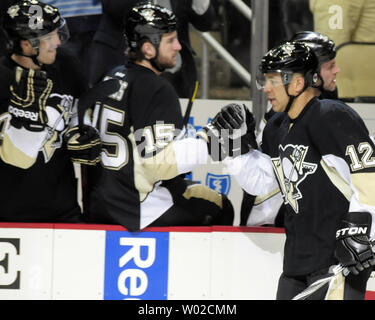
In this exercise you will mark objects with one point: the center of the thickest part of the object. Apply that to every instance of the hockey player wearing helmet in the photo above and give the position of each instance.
(40, 85)
(152, 37)
(35, 30)
(325, 50)
(287, 73)
(252, 208)
(138, 182)
(314, 152)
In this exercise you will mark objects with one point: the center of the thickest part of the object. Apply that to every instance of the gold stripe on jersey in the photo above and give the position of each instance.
(148, 171)
(12, 155)
(365, 184)
(261, 198)
(337, 180)
(203, 192)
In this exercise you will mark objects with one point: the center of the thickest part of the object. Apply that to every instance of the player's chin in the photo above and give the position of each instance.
(50, 58)
(331, 87)
(172, 63)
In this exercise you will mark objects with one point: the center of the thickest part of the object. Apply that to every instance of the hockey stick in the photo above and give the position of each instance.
(88, 99)
(336, 270)
(190, 105)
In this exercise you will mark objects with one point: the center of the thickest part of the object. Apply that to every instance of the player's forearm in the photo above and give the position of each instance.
(178, 157)
(253, 172)
(190, 153)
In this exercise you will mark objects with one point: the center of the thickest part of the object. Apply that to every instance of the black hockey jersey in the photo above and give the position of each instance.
(324, 165)
(136, 124)
(38, 182)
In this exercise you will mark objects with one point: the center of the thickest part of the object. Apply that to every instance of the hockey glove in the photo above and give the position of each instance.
(83, 145)
(230, 132)
(353, 247)
(29, 94)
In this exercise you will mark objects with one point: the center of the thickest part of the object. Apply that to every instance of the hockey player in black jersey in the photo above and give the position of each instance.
(138, 182)
(320, 155)
(39, 85)
(261, 211)
(325, 50)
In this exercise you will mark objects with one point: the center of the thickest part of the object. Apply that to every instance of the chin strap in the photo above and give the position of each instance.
(321, 86)
(33, 57)
(292, 98)
(154, 62)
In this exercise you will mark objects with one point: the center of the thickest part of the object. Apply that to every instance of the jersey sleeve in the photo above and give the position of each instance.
(254, 172)
(347, 155)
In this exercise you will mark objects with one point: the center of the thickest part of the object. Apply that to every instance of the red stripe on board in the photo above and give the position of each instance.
(248, 229)
(370, 295)
(107, 227)
(27, 225)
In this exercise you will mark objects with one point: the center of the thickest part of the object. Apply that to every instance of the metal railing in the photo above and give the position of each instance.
(258, 16)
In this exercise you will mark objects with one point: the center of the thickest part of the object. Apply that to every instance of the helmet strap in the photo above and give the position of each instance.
(321, 85)
(154, 61)
(32, 57)
(292, 98)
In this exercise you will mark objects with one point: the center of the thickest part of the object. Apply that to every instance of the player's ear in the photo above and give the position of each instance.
(298, 84)
(27, 47)
(148, 50)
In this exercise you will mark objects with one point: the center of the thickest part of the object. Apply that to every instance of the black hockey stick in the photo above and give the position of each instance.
(190, 104)
(87, 100)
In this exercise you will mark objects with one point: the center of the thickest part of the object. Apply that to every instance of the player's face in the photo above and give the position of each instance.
(168, 50)
(276, 93)
(47, 47)
(329, 71)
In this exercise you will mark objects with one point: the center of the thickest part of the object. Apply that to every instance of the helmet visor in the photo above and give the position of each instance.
(61, 33)
(273, 79)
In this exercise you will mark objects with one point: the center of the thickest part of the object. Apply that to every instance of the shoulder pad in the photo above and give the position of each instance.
(118, 72)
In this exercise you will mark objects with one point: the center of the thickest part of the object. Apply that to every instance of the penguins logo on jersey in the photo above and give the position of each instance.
(291, 170)
(59, 113)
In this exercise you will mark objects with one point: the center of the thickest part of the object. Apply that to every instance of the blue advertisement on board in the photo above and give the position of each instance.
(136, 265)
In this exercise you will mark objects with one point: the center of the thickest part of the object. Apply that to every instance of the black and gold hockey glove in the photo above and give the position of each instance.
(230, 133)
(83, 144)
(29, 94)
(353, 247)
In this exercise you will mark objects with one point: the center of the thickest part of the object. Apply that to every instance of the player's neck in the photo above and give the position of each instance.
(300, 103)
(25, 62)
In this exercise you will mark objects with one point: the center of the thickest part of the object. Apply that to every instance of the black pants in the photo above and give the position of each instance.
(354, 288)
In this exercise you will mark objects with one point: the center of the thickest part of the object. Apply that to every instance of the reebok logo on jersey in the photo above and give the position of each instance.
(19, 113)
(353, 231)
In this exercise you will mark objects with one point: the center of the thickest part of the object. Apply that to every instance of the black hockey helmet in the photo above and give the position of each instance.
(148, 21)
(324, 48)
(31, 20)
(289, 58)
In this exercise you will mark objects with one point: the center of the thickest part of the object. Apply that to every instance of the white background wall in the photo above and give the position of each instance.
(201, 263)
